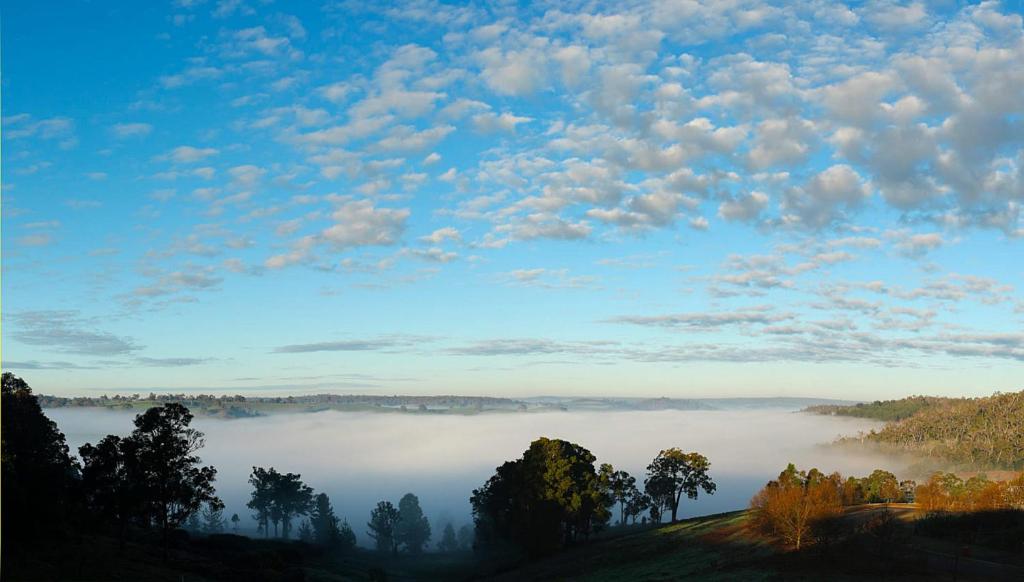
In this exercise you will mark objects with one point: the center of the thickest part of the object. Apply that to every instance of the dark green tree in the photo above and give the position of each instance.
(673, 473)
(413, 529)
(549, 498)
(383, 520)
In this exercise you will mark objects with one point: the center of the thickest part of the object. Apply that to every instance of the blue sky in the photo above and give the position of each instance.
(672, 198)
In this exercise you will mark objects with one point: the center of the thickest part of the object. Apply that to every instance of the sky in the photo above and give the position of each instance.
(679, 198)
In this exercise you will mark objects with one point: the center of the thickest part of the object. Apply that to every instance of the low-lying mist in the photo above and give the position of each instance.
(361, 458)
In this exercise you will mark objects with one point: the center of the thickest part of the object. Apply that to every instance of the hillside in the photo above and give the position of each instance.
(975, 433)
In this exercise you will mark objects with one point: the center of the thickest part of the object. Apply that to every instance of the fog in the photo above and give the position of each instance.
(361, 458)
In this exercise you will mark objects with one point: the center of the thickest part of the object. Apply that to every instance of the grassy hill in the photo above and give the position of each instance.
(716, 547)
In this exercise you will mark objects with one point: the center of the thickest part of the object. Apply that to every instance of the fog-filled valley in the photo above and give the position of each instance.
(359, 459)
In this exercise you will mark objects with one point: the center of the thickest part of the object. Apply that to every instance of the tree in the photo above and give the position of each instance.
(306, 532)
(156, 468)
(547, 499)
(637, 503)
(38, 470)
(465, 536)
(881, 486)
(261, 499)
(383, 520)
(234, 522)
(622, 487)
(792, 506)
(291, 498)
(412, 529)
(325, 524)
(213, 519)
(277, 498)
(346, 537)
(448, 542)
(673, 473)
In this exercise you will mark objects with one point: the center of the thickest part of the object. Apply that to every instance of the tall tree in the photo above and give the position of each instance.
(174, 484)
(324, 522)
(413, 529)
(37, 467)
(383, 520)
(291, 498)
(261, 499)
(674, 473)
(234, 522)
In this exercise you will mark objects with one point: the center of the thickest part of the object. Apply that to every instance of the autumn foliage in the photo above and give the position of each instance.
(794, 506)
(946, 492)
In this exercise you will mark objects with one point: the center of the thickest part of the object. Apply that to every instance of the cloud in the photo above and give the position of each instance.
(825, 198)
(129, 130)
(364, 345)
(744, 208)
(170, 362)
(442, 234)
(708, 320)
(68, 332)
(189, 154)
(360, 223)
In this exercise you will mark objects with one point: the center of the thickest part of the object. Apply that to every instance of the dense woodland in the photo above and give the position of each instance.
(983, 433)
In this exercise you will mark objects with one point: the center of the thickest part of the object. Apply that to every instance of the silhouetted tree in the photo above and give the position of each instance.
(155, 467)
(261, 498)
(213, 519)
(38, 470)
(673, 473)
(277, 498)
(413, 529)
(465, 536)
(306, 532)
(291, 498)
(346, 537)
(234, 522)
(326, 531)
(448, 541)
(383, 520)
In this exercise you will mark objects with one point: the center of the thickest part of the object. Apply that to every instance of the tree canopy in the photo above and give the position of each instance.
(548, 498)
(674, 473)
